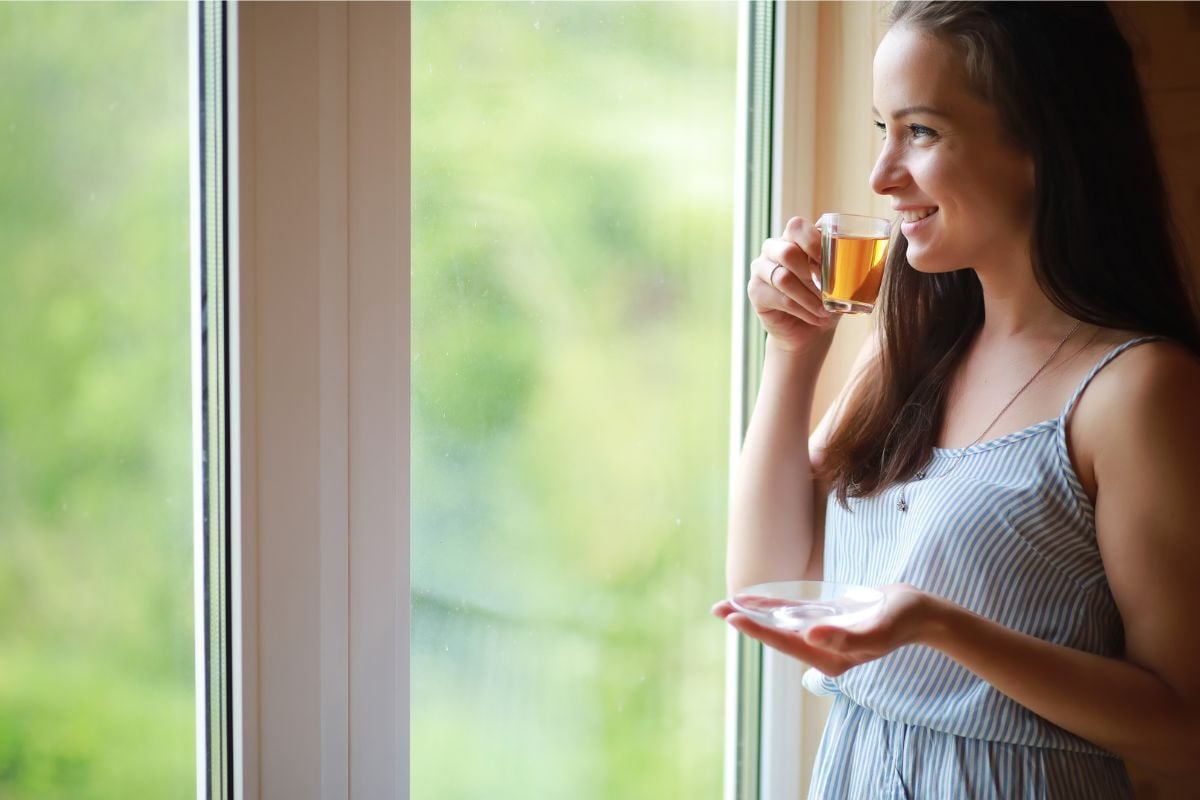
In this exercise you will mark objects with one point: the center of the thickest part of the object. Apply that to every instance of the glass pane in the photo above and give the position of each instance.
(96, 637)
(572, 234)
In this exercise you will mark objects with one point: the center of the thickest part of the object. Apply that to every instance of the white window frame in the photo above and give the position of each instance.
(789, 721)
(792, 719)
(321, 500)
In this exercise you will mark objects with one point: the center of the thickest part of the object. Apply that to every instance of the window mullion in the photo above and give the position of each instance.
(756, 128)
(211, 303)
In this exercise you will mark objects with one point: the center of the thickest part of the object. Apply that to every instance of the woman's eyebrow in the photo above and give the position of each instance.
(910, 110)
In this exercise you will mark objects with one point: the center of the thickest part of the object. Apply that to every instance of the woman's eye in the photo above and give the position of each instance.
(914, 130)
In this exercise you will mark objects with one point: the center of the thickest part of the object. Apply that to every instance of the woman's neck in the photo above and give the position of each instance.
(1014, 306)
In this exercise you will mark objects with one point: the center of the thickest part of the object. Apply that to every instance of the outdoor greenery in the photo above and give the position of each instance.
(96, 672)
(571, 292)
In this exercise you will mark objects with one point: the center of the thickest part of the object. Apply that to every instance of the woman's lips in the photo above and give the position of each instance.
(913, 222)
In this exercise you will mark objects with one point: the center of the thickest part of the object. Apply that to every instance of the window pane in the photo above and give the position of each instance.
(96, 649)
(572, 212)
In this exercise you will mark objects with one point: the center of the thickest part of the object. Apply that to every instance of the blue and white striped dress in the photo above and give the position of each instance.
(1002, 528)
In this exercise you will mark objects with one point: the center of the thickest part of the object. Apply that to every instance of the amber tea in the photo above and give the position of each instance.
(853, 252)
(851, 272)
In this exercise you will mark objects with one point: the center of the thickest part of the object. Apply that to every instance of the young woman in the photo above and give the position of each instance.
(1017, 455)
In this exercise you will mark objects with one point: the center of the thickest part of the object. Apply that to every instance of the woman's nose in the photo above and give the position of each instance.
(889, 173)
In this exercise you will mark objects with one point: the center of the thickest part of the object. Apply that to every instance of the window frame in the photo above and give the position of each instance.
(211, 332)
(320, 388)
(769, 717)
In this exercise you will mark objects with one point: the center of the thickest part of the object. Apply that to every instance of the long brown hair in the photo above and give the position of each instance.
(1063, 81)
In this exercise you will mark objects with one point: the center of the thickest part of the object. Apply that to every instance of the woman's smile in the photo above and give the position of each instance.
(913, 221)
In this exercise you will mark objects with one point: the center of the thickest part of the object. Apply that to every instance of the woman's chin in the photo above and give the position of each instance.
(920, 263)
(925, 262)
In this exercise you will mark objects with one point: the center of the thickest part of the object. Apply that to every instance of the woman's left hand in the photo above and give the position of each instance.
(906, 616)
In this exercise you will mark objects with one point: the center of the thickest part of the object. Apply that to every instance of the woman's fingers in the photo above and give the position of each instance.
(790, 643)
(807, 237)
(805, 234)
(775, 287)
(784, 289)
(803, 263)
(722, 609)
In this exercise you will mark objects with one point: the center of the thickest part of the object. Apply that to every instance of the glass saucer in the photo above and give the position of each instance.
(796, 605)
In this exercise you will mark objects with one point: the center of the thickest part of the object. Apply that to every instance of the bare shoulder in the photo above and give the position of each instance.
(1143, 403)
(1148, 378)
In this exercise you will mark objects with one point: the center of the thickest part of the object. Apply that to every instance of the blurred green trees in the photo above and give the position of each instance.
(96, 651)
(572, 212)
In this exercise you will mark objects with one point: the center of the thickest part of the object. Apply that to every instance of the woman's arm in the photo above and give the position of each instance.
(771, 531)
(772, 518)
(1141, 415)
(1126, 708)
(777, 529)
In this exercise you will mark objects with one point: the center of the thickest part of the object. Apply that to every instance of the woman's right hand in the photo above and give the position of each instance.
(784, 287)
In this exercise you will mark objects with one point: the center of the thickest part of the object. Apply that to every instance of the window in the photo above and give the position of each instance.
(573, 208)
(97, 694)
(571, 363)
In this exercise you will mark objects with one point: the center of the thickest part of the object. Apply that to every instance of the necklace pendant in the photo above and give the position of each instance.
(901, 505)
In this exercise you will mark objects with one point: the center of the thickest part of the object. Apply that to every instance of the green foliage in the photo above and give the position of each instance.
(572, 215)
(96, 676)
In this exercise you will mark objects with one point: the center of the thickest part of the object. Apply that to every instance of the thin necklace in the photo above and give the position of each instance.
(902, 503)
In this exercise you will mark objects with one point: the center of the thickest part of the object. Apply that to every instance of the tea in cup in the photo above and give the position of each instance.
(853, 252)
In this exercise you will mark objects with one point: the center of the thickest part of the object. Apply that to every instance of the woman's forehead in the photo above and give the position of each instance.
(915, 70)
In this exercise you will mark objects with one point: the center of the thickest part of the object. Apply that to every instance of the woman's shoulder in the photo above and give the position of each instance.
(1143, 362)
(1151, 378)
(1139, 409)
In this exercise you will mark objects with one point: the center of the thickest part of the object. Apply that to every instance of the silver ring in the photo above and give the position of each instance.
(771, 280)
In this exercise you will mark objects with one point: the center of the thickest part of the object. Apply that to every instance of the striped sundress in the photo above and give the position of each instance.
(1002, 528)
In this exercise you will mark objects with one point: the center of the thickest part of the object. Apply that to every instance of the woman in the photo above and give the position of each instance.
(1016, 456)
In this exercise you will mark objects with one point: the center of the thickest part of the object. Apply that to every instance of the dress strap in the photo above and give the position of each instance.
(1101, 364)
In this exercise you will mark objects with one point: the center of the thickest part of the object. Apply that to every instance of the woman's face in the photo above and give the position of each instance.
(964, 192)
